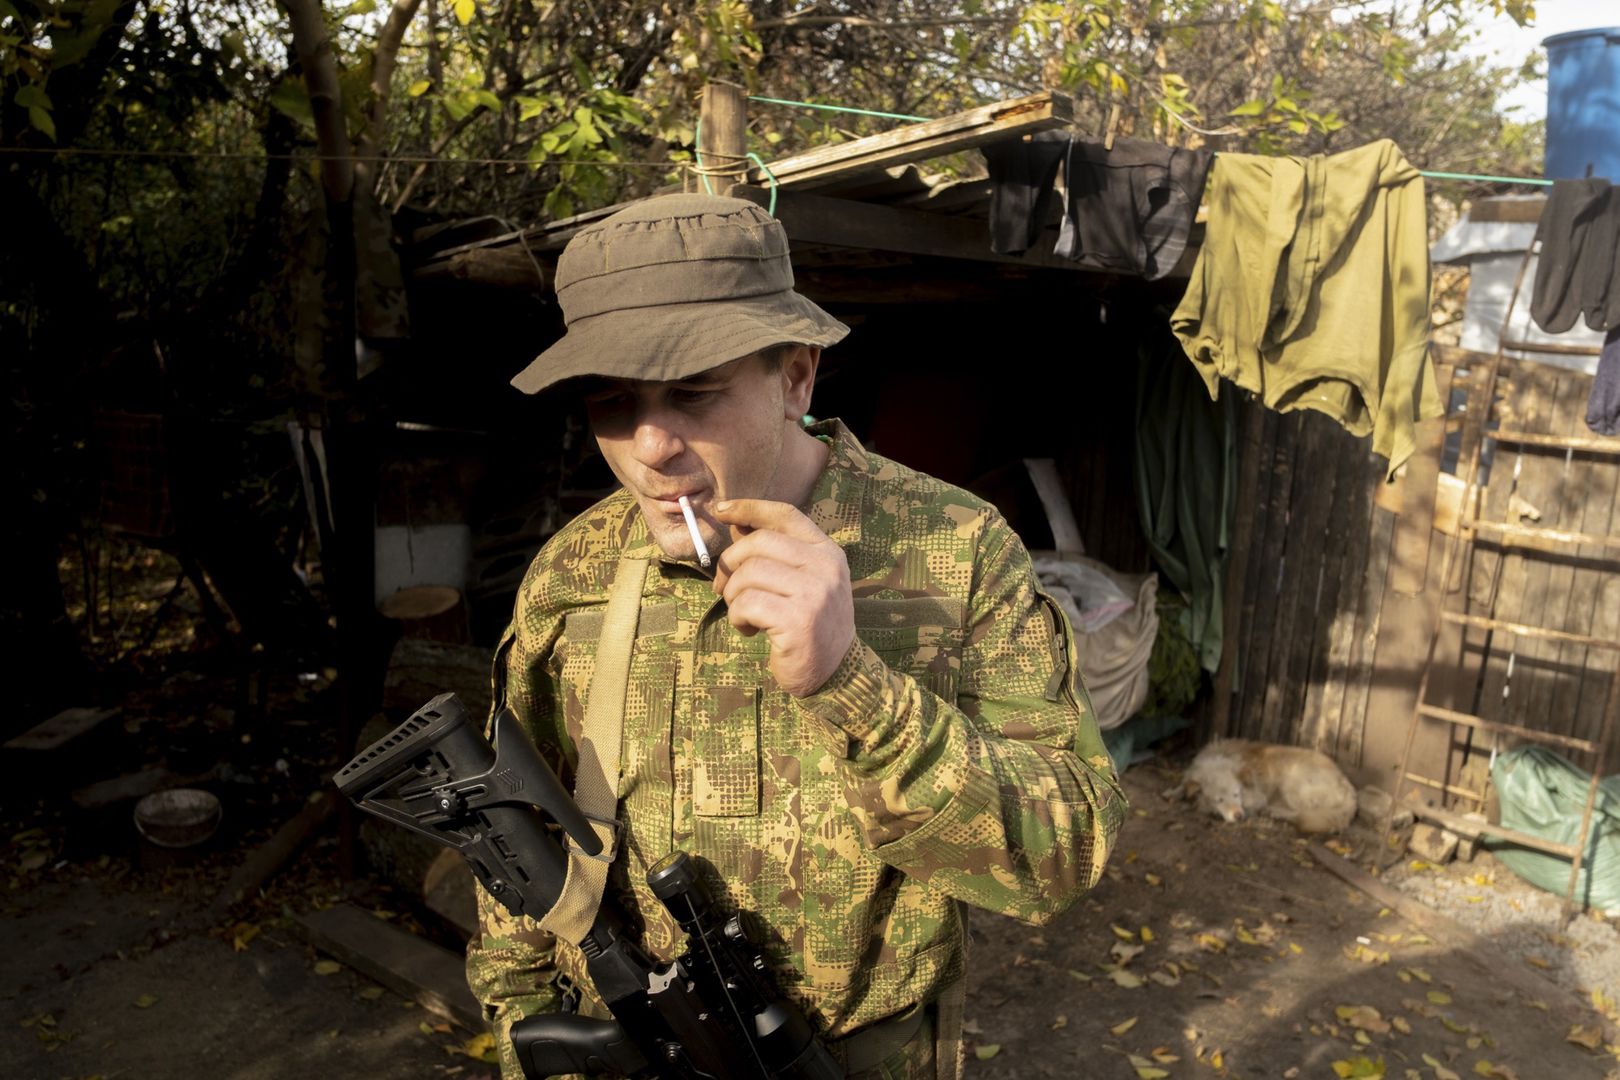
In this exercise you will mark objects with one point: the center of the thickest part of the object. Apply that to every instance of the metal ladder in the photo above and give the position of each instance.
(1470, 525)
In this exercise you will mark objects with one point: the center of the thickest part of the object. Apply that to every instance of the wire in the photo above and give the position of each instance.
(228, 155)
(838, 108)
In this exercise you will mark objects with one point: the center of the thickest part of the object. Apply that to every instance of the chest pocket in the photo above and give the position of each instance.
(920, 636)
(718, 755)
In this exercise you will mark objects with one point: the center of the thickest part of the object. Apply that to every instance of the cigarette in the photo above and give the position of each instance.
(697, 537)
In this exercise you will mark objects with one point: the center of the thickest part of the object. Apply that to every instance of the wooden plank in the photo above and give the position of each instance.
(1413, 535)
(262, 863)
(1263, 649)
(63, 728)
(820, 219)
(105, 793)
(1309, 539)
(1541, 633)
(1599, 444)
(1251, 635)
(1364, 646)
(1462, 719)
(1342, 568)
(1251, 428)
(1589, 709)
(919, 142)
(412, 967)
(1593, 481)
(1549, 580)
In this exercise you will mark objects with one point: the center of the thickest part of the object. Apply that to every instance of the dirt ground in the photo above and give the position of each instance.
(1210, 950)
(1225, 950)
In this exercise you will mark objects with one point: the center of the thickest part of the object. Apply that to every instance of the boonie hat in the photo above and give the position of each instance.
(672, 286)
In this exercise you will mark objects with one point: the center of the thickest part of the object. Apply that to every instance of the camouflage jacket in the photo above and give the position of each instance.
(952, 756)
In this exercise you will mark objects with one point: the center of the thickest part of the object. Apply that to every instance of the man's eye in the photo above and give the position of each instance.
(690, 397)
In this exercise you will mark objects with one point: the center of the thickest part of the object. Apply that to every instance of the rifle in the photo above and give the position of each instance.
(711, 1014)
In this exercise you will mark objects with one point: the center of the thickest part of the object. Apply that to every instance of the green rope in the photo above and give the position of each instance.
(902, 116)
(838, 108)
(757, 160)
(1487, 179)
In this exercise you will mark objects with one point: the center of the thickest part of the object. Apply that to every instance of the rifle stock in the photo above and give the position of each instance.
(711, 1014)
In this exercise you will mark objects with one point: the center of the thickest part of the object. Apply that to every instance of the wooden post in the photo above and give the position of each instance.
(724, 118)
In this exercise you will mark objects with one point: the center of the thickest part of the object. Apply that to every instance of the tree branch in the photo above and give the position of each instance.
(316, 58)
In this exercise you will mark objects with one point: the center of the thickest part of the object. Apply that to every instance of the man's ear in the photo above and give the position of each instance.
(799, 380)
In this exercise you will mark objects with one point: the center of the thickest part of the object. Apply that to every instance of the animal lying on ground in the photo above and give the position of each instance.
(1235, 777)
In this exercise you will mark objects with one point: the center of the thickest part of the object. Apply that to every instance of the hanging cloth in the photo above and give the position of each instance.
(1578, 272)
(1130, 209)
(1312, 290)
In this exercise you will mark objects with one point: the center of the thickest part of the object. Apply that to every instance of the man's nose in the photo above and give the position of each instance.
(656, 441)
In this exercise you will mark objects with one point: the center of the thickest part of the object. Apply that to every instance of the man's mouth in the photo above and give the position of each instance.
(670, 502)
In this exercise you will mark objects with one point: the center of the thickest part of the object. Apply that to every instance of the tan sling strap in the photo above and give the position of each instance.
(596, 778)
(948, 1024)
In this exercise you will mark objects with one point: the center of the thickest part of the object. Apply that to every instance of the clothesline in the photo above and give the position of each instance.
(1431, 174)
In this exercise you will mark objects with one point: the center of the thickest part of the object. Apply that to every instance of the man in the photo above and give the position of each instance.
(865, 715)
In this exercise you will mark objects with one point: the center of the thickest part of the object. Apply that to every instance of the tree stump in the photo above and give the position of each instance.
(429, 613)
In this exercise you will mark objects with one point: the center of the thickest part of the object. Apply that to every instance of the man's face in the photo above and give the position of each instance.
(717, 435)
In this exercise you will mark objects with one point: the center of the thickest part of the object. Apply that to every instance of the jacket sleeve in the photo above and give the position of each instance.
(511, 962)
(1008, 800)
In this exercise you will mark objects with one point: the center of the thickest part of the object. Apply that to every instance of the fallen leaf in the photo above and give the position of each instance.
(1145, 1069)
(1126, 953)
(1589, 1037)
(1440, 1071)
(1122, 933)
(145, 1001)
(987, 1051)
(1060, 1021)
(1079, 976)
(241, 934)
(1495, 1072)
(1123, 1026)
(1360, 1068)
(1364, 1017)
(1400, 1024)
(1209, 942)
(1439, 997)
(1153, 879)
(327, 967)
(1417, 973)
(372, 993)
(1125, 978)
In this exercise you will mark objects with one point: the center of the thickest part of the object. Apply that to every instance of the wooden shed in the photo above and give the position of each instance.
(963, 363)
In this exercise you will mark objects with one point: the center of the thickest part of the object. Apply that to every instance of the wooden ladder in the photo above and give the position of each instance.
(1461, 543)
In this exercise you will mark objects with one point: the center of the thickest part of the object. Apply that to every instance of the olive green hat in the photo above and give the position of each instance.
(672, 286)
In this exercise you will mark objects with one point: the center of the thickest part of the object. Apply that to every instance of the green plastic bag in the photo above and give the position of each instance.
(1543, 795)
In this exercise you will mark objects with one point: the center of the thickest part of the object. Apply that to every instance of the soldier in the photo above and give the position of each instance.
(865, 717)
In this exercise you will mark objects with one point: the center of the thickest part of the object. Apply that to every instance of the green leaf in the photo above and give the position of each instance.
(289, 99)
(1249, 108)
(1298, 127)
(42, 120)
(359, 7)
(487, 99)
(529, 107)
(32, 96)
(420, 87)
(464, 11)
(987, 1051)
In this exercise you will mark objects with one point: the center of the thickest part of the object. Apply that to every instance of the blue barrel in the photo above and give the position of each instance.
(1583, 104)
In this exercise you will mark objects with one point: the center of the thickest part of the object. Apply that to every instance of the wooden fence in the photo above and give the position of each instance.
(1334, 585)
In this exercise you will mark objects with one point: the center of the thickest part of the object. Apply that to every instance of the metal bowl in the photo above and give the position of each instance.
(178, 818)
